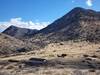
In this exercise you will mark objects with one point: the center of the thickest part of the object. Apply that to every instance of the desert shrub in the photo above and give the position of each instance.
(88, 59)
(94, 56)
(83, 61)
(99, 48)
(21, 49)
(86, 55)
(10, 60)
(62, 55)
(5, 37)
(61, 43)
(37, 59)
(92, 70)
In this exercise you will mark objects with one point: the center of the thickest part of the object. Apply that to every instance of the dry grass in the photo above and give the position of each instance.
(73, 64)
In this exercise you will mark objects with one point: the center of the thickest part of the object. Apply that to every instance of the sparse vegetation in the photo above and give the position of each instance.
(69, 46)
(62, 55)
(72, 55)
(86, 55)
(94, 56)
(92, 70)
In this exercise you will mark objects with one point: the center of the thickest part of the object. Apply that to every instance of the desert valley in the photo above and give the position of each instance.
(68, 46)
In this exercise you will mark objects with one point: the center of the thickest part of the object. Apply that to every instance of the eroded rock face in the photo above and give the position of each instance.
(79, 23)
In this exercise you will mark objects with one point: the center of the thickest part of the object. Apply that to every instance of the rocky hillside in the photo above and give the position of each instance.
(19, 33)
(9, 44)
(79, 23)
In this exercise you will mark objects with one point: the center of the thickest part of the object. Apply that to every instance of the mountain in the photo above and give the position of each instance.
(79, 23)
(19, 33)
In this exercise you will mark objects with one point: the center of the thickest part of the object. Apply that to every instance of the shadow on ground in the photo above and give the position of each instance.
(57, 63)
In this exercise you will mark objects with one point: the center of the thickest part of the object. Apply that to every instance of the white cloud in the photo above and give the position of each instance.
(89, 3)
(19, 23)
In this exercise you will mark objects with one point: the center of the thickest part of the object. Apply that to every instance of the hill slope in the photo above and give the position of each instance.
(79, 23)
(9, 45)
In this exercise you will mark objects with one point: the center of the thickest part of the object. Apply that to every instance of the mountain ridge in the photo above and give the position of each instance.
(19, 33)
(79, 23)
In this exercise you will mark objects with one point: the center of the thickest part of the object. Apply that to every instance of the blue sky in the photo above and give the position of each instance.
(39, 12)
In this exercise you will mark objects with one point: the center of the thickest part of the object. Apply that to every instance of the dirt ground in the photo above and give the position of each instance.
(64, 58)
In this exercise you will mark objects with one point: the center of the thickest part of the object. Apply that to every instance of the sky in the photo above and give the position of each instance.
(37, 14)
